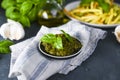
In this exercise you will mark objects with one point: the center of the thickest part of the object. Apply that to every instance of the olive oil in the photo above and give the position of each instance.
(51, 15)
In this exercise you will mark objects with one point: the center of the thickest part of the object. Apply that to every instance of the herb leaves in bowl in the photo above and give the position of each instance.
(59, 45)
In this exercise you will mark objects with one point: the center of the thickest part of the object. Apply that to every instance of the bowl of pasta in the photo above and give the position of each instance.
(102, 14)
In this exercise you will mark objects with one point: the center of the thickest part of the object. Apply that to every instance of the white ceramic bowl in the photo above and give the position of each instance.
(73, 5)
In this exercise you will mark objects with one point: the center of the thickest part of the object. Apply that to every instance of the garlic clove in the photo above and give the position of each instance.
(117, 33)
(12, 30)
(4, 30)
(17, 31)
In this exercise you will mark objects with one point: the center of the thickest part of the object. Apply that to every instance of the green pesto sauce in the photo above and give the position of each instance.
(69, 48)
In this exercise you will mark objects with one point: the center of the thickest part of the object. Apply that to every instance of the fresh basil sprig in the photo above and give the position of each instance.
(13, 13)
(48, 38)
(4, 46)
(7, 3)
(67, 36)
(26, 7)
(56, 41)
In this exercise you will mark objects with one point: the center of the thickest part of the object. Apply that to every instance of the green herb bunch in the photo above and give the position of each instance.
(23, 11)
(103, 3)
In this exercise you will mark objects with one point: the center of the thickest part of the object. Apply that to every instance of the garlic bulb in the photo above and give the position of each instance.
(12, 30)
(117, 33)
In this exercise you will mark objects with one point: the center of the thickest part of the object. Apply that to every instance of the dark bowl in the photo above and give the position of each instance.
(42, 50)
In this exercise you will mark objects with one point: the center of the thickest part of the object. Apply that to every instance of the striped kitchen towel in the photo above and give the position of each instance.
(27, 63)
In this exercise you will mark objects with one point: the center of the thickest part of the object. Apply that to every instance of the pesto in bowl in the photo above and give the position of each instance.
(61, 46)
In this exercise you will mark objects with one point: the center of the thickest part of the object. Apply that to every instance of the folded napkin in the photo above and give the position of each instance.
(27, 63)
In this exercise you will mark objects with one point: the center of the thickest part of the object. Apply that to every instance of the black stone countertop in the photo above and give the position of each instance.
(103, 64)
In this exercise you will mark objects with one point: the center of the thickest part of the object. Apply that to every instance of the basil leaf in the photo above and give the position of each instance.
(58, 43)
(25, 21)
(12, 13)
(32, 15)
(5, 43)
(67, 36)
(4, 46)
(9, 11)
(26, 7)
(49, 38)
(105, 7)
(4, 50)
(7, 3)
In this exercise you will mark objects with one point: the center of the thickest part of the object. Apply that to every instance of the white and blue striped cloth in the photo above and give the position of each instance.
(27, 63)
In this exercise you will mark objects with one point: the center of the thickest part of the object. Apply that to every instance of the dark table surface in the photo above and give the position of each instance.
(103, 64)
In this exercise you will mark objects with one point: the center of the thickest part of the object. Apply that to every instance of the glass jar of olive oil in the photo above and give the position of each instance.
(52, 15)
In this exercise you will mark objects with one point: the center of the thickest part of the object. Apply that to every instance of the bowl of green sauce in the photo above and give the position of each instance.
(60, 46)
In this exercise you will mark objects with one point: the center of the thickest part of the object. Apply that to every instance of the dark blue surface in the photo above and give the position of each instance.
(103, 64)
